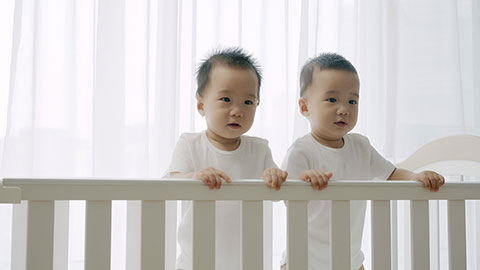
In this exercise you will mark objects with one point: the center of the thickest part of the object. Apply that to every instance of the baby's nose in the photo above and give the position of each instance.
(343, 111)
(236, 111)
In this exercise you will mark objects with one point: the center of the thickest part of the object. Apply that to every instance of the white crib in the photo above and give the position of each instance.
(44, 241)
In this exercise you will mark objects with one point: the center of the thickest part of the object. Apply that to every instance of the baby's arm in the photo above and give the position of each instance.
(297, 164)
(317, 178)
(431, 180)
(274, 177)
(182, 166)
(209, 176)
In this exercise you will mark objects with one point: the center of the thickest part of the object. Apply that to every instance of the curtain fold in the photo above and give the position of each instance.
(104, 87)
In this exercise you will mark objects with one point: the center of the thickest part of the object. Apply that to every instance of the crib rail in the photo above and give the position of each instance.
(41, 194)
(10, 194)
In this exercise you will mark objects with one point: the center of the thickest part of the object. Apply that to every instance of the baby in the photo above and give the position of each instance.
(329, 95)
(227, 96)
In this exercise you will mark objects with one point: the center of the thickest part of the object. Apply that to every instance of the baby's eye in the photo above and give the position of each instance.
(353, 102)
(226, 99)
(331, 99)
(248, 102)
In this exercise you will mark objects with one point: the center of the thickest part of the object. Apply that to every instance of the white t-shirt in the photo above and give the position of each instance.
(194, 152)
(356, 160)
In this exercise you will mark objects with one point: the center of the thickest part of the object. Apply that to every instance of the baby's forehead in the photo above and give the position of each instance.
(222, 73)
(332, 81)
(230, 68)
(333, 72)
(334, 75)
(324, 92)
(236, 92)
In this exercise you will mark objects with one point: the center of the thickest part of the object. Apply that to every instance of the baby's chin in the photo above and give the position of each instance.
(328, 137)
(229, 134)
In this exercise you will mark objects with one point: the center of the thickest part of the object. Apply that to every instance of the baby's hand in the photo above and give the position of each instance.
(212, 177)
(431, 180)
(274, 177)
(318, 178)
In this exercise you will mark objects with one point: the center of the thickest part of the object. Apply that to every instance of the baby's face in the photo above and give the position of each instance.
(331, 105)
(229, 101)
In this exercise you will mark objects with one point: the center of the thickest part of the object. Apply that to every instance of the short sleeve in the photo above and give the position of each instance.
(269, 163)
(380, 168)
(296, 161)
(182, 157)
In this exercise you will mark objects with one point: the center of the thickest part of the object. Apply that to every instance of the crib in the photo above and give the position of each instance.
(44, 230)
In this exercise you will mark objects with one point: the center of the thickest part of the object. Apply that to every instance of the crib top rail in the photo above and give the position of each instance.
(247, 189)
(10, 194)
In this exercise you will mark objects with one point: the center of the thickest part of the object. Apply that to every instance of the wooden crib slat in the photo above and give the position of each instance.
(40, 235)
(153, 235)
(457, 253)
(98, 218)
(340, 235)
(381, 235)
(61, 221)
(267, 234)
(19, 235)
(434, 234)
(170, 234)
(252, 234)
(419, 234)
(203, 235)
(394, 233)
(477, 232)
(297, 235)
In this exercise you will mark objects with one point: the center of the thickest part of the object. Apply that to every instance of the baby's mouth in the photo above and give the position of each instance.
(234, 125)
(340, 123)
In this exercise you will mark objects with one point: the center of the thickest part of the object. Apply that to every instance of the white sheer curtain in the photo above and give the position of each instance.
(104, 87)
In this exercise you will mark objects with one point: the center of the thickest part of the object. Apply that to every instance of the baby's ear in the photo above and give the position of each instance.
(302, 104)
(200, 105)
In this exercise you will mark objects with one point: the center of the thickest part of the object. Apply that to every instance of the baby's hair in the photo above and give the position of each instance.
(322, 62)
(232, 57)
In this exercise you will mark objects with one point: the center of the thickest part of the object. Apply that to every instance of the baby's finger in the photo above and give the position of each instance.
(275, 181)
(205, 179)
(212, 181)
(322, 180)
(305, 177)
(218, 182)
(432, 183)
(439, 184)
(436, 182)
(440, 181)
(280, 178)
(426, 183)
(315, 182)
(323, 183)
(224, 176)
(443, 181)
(268, 178)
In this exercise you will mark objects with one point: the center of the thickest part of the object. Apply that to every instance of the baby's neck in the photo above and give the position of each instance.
(221, 143)
(332, 143)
